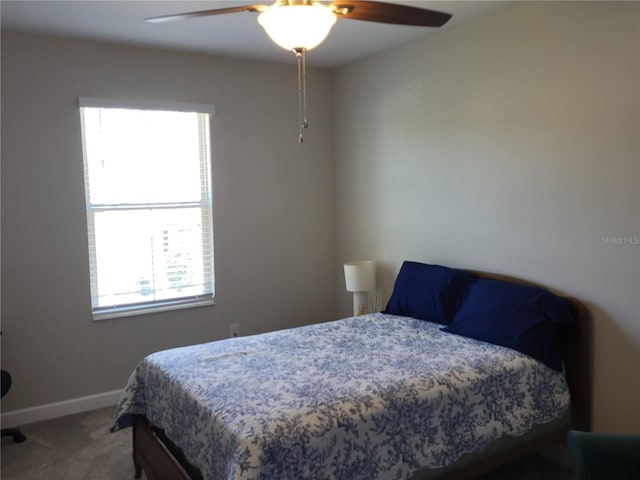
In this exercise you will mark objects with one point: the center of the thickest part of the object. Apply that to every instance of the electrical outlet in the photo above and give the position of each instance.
(234, 330)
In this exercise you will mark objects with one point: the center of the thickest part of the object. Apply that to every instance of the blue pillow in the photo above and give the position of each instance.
(524, 318)
(428, 292)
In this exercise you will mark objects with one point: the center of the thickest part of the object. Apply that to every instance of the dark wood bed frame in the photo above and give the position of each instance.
(161, 460)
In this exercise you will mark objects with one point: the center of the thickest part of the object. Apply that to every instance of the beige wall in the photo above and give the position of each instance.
(508, 144)
(273, 209)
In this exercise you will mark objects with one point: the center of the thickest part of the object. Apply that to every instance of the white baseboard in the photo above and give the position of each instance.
(24, 416)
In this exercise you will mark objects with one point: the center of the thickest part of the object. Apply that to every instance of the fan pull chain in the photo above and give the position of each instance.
(302, 92)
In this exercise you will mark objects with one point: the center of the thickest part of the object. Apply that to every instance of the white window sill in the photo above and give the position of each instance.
(119, 312)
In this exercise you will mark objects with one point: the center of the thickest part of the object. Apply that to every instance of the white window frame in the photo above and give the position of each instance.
(206, 203)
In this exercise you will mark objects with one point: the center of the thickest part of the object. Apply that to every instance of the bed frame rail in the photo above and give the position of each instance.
(150, 455)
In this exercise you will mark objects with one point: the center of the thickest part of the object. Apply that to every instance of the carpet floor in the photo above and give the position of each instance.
(76, 447)
(80, 447)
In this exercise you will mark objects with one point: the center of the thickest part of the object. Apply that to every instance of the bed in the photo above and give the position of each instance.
(413, 392)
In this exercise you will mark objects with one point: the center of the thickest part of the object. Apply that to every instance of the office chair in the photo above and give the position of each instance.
(604, 456)
(17, 435)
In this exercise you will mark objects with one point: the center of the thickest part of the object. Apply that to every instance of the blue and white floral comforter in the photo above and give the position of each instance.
(372, 397)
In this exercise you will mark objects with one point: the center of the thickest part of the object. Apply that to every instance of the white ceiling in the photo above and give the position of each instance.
(237, 34)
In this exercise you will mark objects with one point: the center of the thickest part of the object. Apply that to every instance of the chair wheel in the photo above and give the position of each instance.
(19, 437)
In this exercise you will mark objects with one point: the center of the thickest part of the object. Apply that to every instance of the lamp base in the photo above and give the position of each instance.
(359, 303)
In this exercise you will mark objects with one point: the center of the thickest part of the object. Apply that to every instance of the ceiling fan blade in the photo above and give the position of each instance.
(206, 13)
(389, 13)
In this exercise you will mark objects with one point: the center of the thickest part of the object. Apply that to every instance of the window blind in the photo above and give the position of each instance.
(149, 205)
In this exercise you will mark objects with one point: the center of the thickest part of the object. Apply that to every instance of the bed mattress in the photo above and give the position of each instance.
(376, 396)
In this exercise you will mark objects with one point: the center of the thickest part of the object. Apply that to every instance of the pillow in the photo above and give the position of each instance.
(523, 318)
(428, 292)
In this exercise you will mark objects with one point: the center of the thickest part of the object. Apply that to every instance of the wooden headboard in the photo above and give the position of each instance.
(577, 361)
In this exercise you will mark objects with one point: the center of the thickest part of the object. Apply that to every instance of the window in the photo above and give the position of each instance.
(149, 208)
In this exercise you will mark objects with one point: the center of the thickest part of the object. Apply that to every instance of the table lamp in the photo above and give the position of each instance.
(360, 278)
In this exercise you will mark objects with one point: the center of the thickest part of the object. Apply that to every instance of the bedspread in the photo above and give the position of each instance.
(377, 396)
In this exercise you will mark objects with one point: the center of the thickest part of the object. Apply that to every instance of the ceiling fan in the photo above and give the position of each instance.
(300, 25)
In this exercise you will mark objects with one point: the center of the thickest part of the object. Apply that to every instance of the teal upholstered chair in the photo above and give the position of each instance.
(605, 456)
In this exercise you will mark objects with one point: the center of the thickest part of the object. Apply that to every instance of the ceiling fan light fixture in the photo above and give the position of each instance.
(300, 25)
(297, 26)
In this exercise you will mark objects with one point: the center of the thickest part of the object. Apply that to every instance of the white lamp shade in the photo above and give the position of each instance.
(360, 276)
(297, 26)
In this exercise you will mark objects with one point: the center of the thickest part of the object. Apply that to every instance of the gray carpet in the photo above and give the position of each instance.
(77, 447)
(80, 447)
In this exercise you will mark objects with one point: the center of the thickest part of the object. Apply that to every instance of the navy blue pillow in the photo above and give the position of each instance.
(428, 292)
(523, 318)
